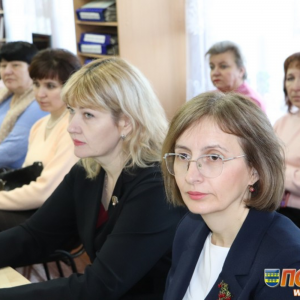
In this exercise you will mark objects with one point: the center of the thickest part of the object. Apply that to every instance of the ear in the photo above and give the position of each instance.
(125, 125)
(242, 72)
(253, 176)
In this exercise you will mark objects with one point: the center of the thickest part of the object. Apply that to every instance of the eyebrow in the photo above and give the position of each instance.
(216, 146)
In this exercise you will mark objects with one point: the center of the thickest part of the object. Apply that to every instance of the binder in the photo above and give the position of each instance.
(98, 38)
(98, 49)
(94, 11)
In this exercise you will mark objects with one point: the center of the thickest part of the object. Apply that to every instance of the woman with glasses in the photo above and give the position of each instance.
(224, 163)
(114, 199)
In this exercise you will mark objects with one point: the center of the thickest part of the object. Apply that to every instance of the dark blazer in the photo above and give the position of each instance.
(130, 253)
(265, 241)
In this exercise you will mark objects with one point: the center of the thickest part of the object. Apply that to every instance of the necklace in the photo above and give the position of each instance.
(50, 126)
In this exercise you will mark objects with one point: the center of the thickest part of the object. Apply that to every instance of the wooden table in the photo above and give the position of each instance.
(10, 277)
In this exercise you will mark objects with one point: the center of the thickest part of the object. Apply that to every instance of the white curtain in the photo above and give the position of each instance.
(267, 32)
(51, 17)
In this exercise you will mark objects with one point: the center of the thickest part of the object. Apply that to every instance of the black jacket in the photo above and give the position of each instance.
(266, 240)
(130, 253)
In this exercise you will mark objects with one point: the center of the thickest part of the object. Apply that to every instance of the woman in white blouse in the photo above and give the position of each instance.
(225, 164)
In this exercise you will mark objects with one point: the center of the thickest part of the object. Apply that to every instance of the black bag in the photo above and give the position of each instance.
(12, 179)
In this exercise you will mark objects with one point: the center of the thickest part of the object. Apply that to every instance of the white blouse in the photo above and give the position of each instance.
(207, 270)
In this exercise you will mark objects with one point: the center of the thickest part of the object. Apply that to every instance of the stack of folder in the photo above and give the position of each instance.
(97, 43)
(98, 11)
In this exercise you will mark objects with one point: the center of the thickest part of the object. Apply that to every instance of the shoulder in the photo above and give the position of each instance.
(284, 232)
(78, 173)
(281, 243)
(190, 228)
(32, 113)
(246, 90)
(136, 175)
(281, 122)
(37, 127)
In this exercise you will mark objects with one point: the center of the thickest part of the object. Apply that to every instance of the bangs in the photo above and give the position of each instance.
(82, 92)
(44, 73)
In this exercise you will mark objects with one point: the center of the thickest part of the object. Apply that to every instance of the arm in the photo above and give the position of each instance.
(142, 234)
(58, 160)
(14, 147)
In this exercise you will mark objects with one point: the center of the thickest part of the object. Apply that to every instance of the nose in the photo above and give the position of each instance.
(74, 124)
(39, 92)
(215, 71)
(7, 69)
(193, 175)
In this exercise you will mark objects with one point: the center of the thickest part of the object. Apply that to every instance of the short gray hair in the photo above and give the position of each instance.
(225, 46)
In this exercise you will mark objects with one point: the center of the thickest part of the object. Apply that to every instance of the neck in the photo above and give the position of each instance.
(57, 114)
(54, 119)
(225, 225)
(113, 170)
(17, 96)
(19, 92)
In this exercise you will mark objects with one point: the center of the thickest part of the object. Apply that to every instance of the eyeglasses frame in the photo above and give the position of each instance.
(195, 160)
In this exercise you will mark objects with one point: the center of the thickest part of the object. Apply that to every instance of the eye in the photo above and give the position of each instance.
(3, 66)
(223, 66)
(214, 157)
(51, 86)
(182, 156)
(88, 115)
(70, 109)
(290, 78)
(15, 65)
(211, 67)
(35, 83)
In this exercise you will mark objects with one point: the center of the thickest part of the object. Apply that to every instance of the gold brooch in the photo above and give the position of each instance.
(114, 200)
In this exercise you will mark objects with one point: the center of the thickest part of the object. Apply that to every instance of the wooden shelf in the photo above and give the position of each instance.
(110, 24)
(88, 55)
(151, 36)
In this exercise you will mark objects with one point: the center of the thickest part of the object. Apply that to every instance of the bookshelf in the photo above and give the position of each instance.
(151, 36)
(2, 31)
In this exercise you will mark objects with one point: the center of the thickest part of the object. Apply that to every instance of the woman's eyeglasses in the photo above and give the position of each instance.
(210, 165)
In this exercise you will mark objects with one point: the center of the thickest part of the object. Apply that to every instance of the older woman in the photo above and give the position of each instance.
(18, 108)
(49, 141)
(224, 163)
(228, 72)
(114, 199)
(288, 130)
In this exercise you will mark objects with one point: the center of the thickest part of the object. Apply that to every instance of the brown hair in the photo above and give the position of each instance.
(234, 114)
(294, 58)
(57, 64)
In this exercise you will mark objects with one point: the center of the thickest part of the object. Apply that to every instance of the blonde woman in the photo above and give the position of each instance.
(114, 199)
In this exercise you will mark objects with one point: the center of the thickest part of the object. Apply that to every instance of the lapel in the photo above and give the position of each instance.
(89, 198)
(186, 264)
(90, 205)
(241, 256)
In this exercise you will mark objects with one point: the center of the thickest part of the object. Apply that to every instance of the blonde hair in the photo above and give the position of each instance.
(115, 86)
(238, 115)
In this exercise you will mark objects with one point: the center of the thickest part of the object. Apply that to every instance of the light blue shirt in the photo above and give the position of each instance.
(13, 148)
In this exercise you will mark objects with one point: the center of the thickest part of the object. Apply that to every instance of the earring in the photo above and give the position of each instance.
(123, 136)
(251, 189)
